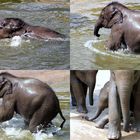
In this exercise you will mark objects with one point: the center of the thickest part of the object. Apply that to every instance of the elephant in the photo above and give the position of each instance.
(80, 80)
(10, 27)
(102, 101)
(136, 107)
(121, 94)
(122, 83)
(102, 104)
(31, 98)
(124, 24)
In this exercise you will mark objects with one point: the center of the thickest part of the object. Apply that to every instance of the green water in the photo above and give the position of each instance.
(35, 54)
(83, 17)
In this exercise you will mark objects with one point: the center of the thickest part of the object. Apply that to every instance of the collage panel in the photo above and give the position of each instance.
(34, 34)
(34, 105)
(104, 34)
(105, 104)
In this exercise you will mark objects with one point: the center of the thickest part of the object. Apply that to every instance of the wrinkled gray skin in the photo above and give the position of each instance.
(136, 107)
(34, 100)
(102, 102)
(10, 27)
(80, 81)
(121, 87)
(124, 24)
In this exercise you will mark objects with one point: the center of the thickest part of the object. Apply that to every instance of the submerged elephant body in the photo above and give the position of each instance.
(124, 24)
(34, 100)
(10, 27)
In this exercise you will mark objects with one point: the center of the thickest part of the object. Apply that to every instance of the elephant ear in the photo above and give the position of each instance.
(6, 88)
(116, 17)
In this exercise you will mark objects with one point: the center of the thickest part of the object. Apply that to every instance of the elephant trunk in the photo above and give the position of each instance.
(97, 27)
(98, 112)
(125, 94)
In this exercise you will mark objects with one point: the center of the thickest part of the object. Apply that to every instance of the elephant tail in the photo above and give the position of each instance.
(61, 126)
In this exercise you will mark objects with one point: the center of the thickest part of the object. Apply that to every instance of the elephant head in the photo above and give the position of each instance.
(12, 24)
(109, 16)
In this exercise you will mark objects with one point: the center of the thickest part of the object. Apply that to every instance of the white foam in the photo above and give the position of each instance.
(16, 41)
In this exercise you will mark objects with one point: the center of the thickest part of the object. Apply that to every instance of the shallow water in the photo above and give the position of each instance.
(15, 128)
(36, 54)
(83, 17)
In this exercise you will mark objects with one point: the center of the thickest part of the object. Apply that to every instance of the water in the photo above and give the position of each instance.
(94, 56)
(36, 54)
(15, 129)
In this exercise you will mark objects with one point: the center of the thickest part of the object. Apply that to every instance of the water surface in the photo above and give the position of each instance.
(36, 54)
(94, 56)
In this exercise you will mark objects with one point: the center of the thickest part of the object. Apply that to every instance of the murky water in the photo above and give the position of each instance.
(15, 129)
(35, 54)
(94, 56)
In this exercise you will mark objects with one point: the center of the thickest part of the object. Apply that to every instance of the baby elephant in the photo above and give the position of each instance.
(10, 27)
(102, 104)
(34, 100)
(124, 24)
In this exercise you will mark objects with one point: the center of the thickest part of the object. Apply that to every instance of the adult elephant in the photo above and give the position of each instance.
(80, 81)
(10, 27)
(124, 24)
(122, 83)
(34, 100)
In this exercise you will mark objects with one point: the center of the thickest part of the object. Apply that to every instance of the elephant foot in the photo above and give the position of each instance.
(86, 118)
(82, 110)
(136, 127)
(126, 128)
(114, 134)
(100, 125)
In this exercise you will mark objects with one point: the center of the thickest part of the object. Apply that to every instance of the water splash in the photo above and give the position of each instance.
(15, 129)
(16, 41)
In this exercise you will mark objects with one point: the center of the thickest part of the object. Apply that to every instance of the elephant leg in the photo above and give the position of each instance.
(101, 123)
(7, 108)
(36, 120)
(85, 87)
(79, 93)
(73, 100)
(136, 125)
(115, 40)
(91, 90)
(114, 113)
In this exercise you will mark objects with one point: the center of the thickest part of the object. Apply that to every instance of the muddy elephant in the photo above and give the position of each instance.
(80, 81)
(122, 83)
(124, 24)
(34, 100)
(10, 27)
